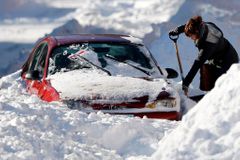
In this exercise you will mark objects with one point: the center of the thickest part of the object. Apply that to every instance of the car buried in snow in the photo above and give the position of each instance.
(111, 73)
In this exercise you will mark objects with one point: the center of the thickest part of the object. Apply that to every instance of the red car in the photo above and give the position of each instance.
(112, 73)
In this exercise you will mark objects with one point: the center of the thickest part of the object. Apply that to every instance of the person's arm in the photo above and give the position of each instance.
(178, 30)
(204, 54)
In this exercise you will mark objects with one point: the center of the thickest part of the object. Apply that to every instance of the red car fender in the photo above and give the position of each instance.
(48, 93)
(43, 89)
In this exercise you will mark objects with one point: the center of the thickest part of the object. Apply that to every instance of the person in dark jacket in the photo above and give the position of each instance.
(215, 51)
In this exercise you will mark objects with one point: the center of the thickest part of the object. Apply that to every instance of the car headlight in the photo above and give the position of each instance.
(168, 103)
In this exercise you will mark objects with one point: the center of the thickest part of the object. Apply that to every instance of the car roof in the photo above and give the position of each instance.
(118, 38)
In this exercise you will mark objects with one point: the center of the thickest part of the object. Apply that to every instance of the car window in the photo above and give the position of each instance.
(122, 52)
(38, 61)
(63, 59)
(42, 58)
(101, 56)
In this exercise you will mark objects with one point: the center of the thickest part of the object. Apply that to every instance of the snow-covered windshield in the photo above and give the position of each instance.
(113, 58)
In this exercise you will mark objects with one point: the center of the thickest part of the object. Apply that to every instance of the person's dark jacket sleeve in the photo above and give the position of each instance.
(180, 29)
(205, 52)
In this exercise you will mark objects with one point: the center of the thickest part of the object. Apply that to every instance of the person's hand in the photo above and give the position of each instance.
(185, 90)
(173, 32)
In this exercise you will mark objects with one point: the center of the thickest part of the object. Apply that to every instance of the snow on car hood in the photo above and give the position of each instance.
(80, 84)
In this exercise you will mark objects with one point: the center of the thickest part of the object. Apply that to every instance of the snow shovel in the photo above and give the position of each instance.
(174, 39)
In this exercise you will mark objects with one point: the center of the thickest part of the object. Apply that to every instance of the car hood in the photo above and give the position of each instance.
(94, 85)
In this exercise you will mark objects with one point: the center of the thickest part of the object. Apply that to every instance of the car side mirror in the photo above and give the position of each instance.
(171, 73)
(33, 75)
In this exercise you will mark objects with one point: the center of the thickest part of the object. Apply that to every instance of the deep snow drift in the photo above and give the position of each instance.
(33, 129)
(211, 130)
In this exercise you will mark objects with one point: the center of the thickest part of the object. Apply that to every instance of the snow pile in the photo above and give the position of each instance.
(21, 19)
(211, 130)
(126, 16)
(33, 129)
(81, 83)
(90, 84)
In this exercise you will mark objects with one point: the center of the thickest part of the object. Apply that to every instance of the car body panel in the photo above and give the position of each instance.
(43, 89)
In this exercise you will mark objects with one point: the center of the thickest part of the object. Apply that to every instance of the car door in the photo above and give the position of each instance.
(39, 85)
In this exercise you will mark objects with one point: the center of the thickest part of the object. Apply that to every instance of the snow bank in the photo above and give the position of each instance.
(132, 16)
(211, 130)
(33, 129)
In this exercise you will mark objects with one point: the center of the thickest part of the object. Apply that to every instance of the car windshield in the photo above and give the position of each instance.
(108, 57)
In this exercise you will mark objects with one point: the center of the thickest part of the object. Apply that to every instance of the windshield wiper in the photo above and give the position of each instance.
(109, 73)
(138, 68)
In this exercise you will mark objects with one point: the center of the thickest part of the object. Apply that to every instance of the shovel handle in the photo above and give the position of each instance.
(174, 38)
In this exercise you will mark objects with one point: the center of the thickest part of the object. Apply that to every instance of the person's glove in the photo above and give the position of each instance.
(178, 30)
(173, 32)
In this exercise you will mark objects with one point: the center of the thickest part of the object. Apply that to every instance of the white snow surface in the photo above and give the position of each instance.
(211, 129)
(81, 83)
(88, 84)
(33, 129)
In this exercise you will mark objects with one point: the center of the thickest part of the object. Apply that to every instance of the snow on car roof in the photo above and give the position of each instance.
(133, 39)
(97, 38)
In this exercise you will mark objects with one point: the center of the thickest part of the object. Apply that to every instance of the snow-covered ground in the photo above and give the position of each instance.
(33, 129)
(211, 129)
